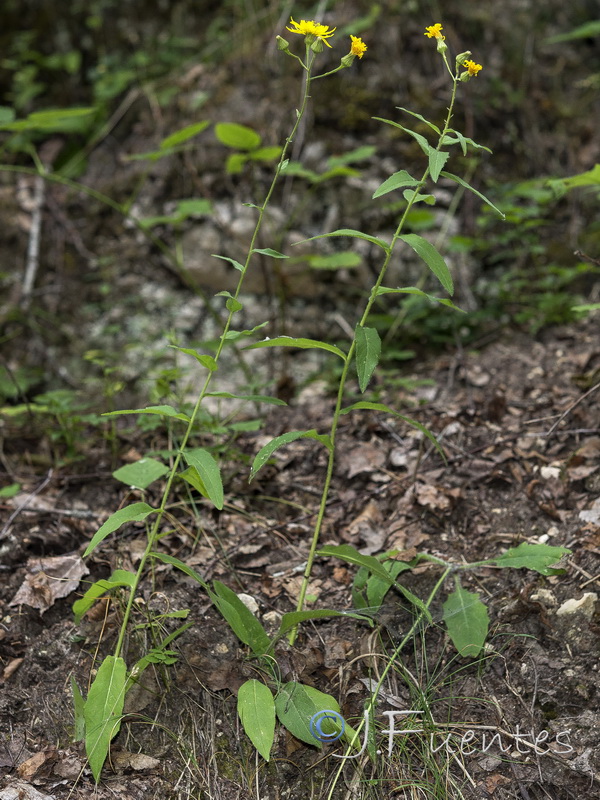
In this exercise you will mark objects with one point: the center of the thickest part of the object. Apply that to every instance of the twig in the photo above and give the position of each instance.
(571, 407)
(33, 247)
(23, 505)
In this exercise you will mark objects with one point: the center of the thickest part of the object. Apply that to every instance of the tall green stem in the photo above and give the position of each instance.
(343, 378)
(155, 528)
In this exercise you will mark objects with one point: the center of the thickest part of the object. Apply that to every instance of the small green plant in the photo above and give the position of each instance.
(262, 701)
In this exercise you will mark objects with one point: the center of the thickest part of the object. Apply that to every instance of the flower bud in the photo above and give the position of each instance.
(282, 44)
(347, 60)
(441, 46)
(462, 57)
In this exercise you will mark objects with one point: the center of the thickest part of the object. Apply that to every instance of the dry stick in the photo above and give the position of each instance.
(33, 247)
(571, 407)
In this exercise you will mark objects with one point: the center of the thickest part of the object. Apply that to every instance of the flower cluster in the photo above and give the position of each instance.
(471, 69)
(316, 35)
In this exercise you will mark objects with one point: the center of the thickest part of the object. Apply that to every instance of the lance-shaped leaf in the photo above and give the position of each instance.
(432, 258)
(136, 512)
(368, 350)
(265, 452)
(540, 557)
(161, 411)
(120, 577)
(241, 620)
(437, 160)
(398, 180)
(420, 293)
(256, 709)
(352, 233)
(468, 186)
(209, 473)
(102, 711)
(301, 343)
(467, 621)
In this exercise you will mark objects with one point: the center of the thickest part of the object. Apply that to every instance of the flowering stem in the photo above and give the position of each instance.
(153, 533)
(342, 383)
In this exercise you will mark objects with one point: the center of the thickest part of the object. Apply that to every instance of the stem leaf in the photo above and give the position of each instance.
(396, 181)
(468, 186)
(265, 452)
(136, 512)
(353, 233)
(414, 290)
(539, 557)
(163, 411)
(301, 343)
(368, 350)
(432, 258)
(209, 472)
(437, 160)
(240, 619)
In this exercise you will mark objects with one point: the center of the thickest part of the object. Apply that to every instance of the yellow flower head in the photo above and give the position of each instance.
(358, 47)
(312, 28)
(472, 68)
(435, 31)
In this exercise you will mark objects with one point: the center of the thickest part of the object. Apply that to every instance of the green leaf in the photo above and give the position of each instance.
(590, 178)
(364, 405)
(585, 31)
(343, 260)
(102, 711)
(294, 618)
(437, 160)
(232, 261)
(162, 411)
(119, 578)
(350, 232)
(467, 620)
(265, 452)
(65, 120)
(420, 117)
(423, 143)
(432, 258)
(296, 704)
(256, 709)
(206, 360)
(233, 336)
(184, 209)
(377, 589)
(142, 473)
(183, 135)
(265, 153)
(232, 304)
(539, 557)
(464, 141)
(368, 350)
(468, 186)
(358, 154)
(240, 619)
(241, 137)
(249, 398)
(414, 291)
(415, 197)
(175, 562)
(268, 251)
(136, 512)
(396, 181)
(301, 343)
(350, 555)
(208, 470)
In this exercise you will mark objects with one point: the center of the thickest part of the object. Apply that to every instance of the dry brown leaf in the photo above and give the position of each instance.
(367, 528)
(48, 579)
(367, 457)
(11, 667)
(19, 790)
(40, 762)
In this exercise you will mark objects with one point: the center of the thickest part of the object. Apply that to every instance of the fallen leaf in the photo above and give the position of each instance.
(23, 791)
(11, 667)
(48, 579)
(40, 762)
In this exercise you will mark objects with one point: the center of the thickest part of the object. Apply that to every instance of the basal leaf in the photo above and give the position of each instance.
(209, 472)
(256, 709)
(301, 343)
(265, 452)
(241, 620)
(294, 618)
(368, 350)
(102, 711)
(432, 258)
(540, 557)
(467, 621)
(136, 512)
(296, 704)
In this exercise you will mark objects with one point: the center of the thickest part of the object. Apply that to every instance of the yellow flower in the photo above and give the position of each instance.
(358, 47)
(435, 31)
(472, 68)
(312, 28)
